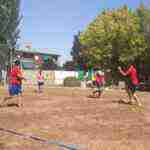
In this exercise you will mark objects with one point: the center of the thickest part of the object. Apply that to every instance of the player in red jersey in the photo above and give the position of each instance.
(133, 84)
(99, 81)
(15, 83)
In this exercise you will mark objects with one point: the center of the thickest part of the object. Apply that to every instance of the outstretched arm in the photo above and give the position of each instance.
(122, 72)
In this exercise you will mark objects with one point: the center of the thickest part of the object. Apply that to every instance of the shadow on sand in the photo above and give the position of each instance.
(122, 102)
(92, 96)
(10, 105)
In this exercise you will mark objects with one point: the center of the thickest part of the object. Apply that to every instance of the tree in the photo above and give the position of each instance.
(9, 31)
(144, 16)
(69, 66)
(113, 38)
(76, 48)
(78, 58)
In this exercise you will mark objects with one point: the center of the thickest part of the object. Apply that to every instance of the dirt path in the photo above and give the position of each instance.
(69, 116)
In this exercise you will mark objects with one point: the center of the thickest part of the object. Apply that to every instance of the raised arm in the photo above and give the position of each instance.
(122, 72)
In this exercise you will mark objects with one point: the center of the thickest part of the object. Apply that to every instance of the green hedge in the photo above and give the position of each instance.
(71, 82)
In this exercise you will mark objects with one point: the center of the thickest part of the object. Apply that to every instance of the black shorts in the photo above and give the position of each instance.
(99, 87)
(133, 88)
(40, 83)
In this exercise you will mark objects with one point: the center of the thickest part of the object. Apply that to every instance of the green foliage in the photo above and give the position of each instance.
(113, 37)
(117, 37)
(71, 82)
(69, 65)
(9, 32)
(77, 55)
(144, 16)
(70, 79)
(76, 48)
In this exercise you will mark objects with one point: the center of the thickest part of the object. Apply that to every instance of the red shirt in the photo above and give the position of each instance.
(99, 79)
(133, 75)
(14, 73)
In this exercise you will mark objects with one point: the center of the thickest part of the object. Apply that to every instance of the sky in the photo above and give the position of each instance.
(51, 24)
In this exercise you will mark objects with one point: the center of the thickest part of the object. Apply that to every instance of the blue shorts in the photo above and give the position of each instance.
(15, 89)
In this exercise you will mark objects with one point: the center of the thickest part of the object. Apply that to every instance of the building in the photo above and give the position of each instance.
(34, 58)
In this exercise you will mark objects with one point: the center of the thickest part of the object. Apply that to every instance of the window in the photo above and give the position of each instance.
(28, 65)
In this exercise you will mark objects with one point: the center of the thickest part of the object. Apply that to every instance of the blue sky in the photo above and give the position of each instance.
(53, 23)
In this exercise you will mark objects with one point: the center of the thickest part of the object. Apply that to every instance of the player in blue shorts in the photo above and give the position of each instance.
(15, 83)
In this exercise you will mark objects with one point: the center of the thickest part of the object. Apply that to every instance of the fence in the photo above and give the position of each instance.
(51, 77)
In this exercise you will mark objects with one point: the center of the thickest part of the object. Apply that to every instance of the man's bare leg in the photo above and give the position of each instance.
(99, 93)
(130, 95)
(95, 93)
(19, 98)
(5, 99)
(138, 101)
(129, 100)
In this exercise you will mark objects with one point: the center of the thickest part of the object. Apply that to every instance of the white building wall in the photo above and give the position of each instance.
(51, 77)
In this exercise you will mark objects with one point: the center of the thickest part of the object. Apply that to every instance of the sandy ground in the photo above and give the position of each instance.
(69, 116)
